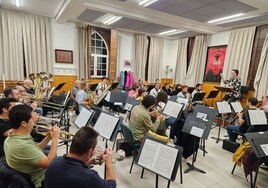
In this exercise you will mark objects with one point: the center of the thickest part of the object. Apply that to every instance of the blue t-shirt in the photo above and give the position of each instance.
(66, 172)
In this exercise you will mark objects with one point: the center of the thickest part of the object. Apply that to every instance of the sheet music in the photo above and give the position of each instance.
(128, 107)
(172, 109)
(264, 148)
(202, 116)
(183, 101)
(158, 158)
(223, 107)
(197, 132)
(237, 107)
(105, 125)
(257, 117)
(108, 96)
(83, 118)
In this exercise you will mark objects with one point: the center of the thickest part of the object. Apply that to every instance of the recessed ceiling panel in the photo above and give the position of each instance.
(128, 23)
(154, 28)
(90, 15)
(186, 34)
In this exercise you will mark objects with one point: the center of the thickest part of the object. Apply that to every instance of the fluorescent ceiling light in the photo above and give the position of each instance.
(18, 3)
(226, 18)
(172, 32)
(146, 3)
(111, 20)
(176, 32)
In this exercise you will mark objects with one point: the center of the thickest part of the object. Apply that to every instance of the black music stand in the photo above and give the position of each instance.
(114, 85)
(199, 128)
(198, 97)
(191, 89)
(93, 87)
(223, 108)
(130, 103)
(223, 89)
(58, 87)
(212, 95)
(259, 144)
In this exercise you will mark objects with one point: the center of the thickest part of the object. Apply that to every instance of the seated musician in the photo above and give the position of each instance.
(184, 93)
(141, 84)
(235, 83)
(166, 88)
(5, 127)
(155, 90)
(198, 89)
(140, 118)
(242, 126)
(28, 85)
(81, 96)
(22, 153)
(72, 170)
(134, 91)
(11, 93)
(141, 94)
(102, 85)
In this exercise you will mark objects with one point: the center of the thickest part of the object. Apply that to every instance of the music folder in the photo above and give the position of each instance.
(108, 125)
(198, 97)
(159, 157)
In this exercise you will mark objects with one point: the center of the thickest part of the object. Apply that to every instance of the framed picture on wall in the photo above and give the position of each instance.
(127, 63)
(63, 56)
(215, 63)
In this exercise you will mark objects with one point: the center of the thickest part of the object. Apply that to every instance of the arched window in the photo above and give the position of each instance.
(99, 56)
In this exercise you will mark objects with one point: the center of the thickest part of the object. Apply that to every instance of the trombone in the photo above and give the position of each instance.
(43, 130)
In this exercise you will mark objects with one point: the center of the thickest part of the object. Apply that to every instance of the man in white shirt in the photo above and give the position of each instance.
(155, 90)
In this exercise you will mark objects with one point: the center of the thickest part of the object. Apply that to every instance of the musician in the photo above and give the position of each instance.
(155, 90)
(81, 96)
(242, 126)
(22, 153)
(75, 88)
(11, 93)
(184, 93)
(102, 85)
(5, 127)
(140, 118)
(72, 170)
(134, 91)
(235, 83)
(166, 88)
(28, 85)
(265, 103)
(198, 89)
(141, 84)
(177, 89)
(141, 94)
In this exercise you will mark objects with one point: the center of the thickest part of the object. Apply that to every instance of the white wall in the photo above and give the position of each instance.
(219, 39)
(64, 37)
(125, 51)
(169, 57)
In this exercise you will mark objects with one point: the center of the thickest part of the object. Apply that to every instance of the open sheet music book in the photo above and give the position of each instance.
(83, 118)
(184, 101)
(106, 124)
(159, 158)
(223, 107)
(172, 109)
(237, 107)
(257, 117)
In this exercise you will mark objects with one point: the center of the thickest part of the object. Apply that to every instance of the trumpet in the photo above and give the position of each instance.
(64, 135)
(98, 154)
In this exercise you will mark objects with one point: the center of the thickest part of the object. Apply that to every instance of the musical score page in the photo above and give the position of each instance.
(158, 158)
(264, 148)
(105, 125)
(172, 109)
(223, 107)
(128, 106)
(83, 118)
(237, 107)
(257, 117)
(184, 101)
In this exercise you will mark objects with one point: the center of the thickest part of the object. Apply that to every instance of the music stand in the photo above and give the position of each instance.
(212, 95)
(259, 144)
(223, 89)
(223, 108)
(198, 97)
(93, 87)
(130, 103)
(84, 117)
(58, 87)
(191, 89)
(114, 85)
(198, 128)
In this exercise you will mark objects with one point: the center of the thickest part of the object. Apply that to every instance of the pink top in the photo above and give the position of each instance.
(132, 93)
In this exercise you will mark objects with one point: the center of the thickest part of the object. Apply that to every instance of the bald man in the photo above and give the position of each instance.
(28, 85)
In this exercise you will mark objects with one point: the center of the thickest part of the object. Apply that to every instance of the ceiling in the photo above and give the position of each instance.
(187, 16)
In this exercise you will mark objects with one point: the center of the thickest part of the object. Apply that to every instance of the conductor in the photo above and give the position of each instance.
(235, 83)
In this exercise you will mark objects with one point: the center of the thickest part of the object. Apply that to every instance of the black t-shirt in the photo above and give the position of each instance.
(4, 126)
(244, 127)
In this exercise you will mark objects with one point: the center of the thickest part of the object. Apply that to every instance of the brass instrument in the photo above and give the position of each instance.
(64, 135)
(103, 94)
(91, 98)
(98, 153)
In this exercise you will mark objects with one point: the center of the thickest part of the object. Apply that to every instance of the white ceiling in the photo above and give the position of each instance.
(187, 15)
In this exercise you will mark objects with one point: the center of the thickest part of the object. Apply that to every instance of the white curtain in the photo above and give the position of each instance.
(24, 37)
(140, 55)
(82, 50)
(11, 51)
(155, 59)
(181, 64)
(196, 69)
(36, 41)
(238, 53)
(261, 79)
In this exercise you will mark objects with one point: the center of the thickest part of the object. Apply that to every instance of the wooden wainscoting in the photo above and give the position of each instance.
(69, 82)
(9, 83)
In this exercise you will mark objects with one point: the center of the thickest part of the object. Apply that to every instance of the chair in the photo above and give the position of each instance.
(13, 179)
(128, 137)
